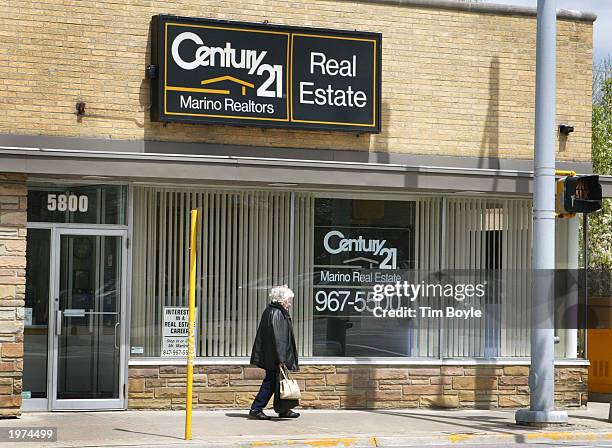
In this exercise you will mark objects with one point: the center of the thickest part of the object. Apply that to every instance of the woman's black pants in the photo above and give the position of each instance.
(266, 391)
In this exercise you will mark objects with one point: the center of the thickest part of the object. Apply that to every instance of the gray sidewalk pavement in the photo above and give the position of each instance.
(315, 428)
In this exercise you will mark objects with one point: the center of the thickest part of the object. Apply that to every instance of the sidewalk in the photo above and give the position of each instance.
(315, 428)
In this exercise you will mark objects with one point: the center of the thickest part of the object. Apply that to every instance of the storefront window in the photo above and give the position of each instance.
(245, 246)
(90, 204)
(358, 243)
(331, 252)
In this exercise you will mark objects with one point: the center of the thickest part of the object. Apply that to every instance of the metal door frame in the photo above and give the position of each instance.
(55, 404)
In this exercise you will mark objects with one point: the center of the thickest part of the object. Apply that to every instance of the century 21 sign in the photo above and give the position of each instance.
(265, 75)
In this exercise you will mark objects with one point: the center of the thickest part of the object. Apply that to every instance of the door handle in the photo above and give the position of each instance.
(58, 322)
(115, 337)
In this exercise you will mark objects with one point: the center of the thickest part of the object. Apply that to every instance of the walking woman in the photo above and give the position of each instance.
(274, 346)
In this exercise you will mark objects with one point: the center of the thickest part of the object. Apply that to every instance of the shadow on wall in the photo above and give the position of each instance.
(144, 91)
(486, 380)
(489, 146)
(381, 155)
(371, 387)
(562, 143)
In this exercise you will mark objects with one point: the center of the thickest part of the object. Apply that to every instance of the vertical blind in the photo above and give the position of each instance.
(248, 241)
(493, 236)
(428, 242)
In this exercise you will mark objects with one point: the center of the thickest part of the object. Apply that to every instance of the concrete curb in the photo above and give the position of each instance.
(458, 439)
(455, 439)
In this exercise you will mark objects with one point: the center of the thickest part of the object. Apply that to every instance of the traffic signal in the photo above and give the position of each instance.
(578, 194)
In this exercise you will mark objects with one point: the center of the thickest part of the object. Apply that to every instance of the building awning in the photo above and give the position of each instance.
(186, 163)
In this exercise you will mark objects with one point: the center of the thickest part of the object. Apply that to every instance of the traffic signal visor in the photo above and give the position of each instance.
(578, 194)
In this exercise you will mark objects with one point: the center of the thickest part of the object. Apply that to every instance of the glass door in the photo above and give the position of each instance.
(88, 349)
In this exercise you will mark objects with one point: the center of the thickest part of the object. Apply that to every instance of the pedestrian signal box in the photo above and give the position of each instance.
(578, 194)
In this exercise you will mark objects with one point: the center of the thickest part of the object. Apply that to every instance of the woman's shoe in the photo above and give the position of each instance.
(258, 415)
(289, 414)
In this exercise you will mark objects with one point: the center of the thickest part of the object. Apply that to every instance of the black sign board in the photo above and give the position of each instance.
(222, 72)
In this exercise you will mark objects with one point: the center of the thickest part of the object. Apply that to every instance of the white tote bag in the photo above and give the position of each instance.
(289, 389)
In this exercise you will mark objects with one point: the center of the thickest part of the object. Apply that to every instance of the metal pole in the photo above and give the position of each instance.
(542, 371)
(191, 329)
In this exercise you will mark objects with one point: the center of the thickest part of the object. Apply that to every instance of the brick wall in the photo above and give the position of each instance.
(163, 387)
(13, 198)
(454, 82)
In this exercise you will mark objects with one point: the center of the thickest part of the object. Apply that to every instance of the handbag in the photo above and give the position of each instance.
(289, 389)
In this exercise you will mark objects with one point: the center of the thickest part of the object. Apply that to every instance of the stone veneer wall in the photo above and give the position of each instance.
(13, 204)
(329, 386)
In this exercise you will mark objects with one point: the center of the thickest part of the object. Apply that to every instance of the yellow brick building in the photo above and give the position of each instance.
(448, 176)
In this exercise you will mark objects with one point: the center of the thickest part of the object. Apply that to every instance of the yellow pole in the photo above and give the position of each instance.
(565, 173)
(191, 337)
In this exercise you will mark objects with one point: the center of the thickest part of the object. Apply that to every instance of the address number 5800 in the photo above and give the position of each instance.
(65, 202)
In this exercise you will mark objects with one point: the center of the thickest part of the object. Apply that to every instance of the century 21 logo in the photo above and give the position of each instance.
(335, 243)
(227, 56)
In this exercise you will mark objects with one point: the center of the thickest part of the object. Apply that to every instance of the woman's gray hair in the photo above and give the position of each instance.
(281, 294)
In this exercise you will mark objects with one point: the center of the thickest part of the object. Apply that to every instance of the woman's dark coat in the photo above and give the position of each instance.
(275, 342)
